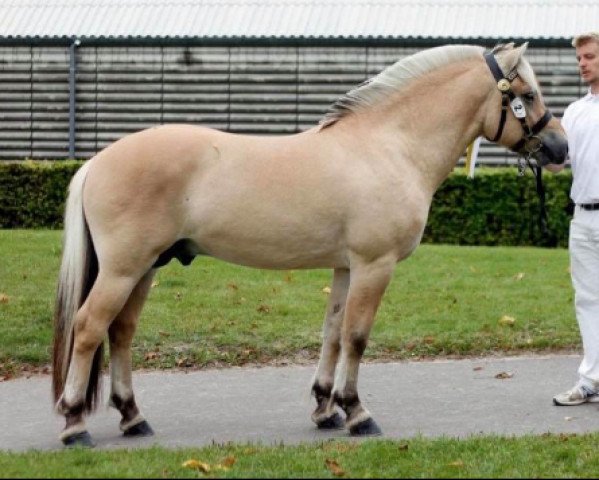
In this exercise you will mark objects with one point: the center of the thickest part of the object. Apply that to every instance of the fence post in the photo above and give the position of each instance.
(72, 95)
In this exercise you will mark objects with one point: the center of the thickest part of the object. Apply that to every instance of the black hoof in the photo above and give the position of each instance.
(332, 423)
(142, 429)
(82, 439)
(366, 428)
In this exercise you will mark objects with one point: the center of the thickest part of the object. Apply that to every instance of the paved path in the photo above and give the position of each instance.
(271, 404)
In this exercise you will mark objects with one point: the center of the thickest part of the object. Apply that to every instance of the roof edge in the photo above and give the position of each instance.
(273, 41)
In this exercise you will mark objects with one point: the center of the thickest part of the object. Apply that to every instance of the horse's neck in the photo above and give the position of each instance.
(429, 124)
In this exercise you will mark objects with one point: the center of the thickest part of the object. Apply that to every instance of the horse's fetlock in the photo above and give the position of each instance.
(69, 410)
(348, 402)
(321, 393)
(127, 408)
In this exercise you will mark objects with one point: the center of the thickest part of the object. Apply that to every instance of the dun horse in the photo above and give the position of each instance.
(351, 194)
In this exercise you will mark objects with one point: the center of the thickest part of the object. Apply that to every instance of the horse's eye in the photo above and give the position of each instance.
(529, 97)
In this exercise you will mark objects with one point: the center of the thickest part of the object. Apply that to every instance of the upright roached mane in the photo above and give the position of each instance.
(352, 196)
(395, 76)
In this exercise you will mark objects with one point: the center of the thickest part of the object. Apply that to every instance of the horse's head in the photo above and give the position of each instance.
(520, 120)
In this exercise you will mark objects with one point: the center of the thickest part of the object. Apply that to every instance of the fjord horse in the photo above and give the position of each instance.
(351, 194)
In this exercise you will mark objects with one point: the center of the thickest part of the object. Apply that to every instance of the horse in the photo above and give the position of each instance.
(351, 194)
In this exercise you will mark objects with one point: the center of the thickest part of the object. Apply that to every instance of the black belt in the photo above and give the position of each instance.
(589, 206)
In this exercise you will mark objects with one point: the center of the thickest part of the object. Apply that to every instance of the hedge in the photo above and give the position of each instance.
(497, 207)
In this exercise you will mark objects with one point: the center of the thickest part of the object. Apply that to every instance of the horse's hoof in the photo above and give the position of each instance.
(366, 428)
(141, 429)
(332, 423)
(81, 439)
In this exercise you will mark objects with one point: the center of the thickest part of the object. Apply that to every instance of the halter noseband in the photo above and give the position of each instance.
(530, 140)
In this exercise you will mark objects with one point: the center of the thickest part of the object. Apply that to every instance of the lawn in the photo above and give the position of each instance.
(443, 300)
(545, 456)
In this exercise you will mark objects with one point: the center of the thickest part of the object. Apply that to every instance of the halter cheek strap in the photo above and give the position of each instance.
(505, 87)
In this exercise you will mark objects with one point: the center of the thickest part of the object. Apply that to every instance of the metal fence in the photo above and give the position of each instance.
(257, 90)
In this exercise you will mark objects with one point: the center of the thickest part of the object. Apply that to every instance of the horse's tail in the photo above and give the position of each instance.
(78, 272)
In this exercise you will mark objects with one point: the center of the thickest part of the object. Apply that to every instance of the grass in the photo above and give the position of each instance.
(545, 456)
(443, 300)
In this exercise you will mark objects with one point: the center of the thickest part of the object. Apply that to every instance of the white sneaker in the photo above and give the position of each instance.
(577, 396)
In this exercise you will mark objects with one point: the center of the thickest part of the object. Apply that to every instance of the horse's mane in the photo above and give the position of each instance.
(395, 77)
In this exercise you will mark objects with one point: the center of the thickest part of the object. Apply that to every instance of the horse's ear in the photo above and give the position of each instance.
(510, 58)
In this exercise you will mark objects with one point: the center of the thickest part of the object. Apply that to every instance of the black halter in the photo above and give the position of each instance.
(530, 141)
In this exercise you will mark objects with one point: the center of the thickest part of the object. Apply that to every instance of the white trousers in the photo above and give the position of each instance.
(584, 266)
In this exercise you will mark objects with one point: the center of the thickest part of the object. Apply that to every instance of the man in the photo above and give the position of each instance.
(581, 123)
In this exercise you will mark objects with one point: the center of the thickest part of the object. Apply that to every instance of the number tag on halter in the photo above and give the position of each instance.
(518, 108)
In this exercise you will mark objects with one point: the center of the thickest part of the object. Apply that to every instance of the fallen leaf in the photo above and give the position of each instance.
(263, 308)
(506, 320)
(163, 334)
(519, 276)
(568, 419)
(178, 296)
(476, 369)
(334, 467)
(151, 356)
(326, 290)
(403, 446)
(503, 375)
(182, 362)
(232, 286)
(3, 298)
(193, 463)
(229, 461)
(220, 467)
(457, 463)
(155, 283)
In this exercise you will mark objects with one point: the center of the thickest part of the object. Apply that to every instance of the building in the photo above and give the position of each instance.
(78, 74)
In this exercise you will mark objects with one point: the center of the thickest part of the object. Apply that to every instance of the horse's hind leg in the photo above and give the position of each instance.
(120, 334)
(367, 285)
(325, 416)
(106, 299)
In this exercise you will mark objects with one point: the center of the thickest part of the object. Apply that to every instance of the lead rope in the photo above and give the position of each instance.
(548, 238)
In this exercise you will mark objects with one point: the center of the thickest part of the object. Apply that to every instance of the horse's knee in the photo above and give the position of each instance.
(358, 341)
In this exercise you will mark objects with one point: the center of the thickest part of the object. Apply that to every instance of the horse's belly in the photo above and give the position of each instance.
(273, 249)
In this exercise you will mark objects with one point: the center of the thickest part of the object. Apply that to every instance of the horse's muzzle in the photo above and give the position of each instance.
(554, 149)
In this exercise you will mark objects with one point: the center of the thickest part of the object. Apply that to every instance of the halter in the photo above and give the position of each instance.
(530, 141)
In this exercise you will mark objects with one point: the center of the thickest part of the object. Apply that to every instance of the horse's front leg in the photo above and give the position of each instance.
(121, 333)
(367, 285)
(325, 416)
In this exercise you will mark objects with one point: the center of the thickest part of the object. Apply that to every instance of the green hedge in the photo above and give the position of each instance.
(32, 194)
(497, 207)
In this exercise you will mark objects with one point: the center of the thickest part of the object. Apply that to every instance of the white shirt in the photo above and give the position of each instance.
(581, 123)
